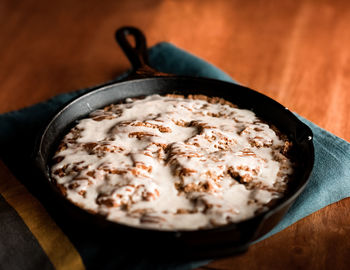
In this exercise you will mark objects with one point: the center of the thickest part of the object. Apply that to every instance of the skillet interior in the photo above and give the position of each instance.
(200, 243)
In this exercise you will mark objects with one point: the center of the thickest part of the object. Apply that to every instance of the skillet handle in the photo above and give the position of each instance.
(137, 55)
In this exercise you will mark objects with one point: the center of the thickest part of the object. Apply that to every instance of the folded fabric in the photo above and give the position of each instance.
(330, 179)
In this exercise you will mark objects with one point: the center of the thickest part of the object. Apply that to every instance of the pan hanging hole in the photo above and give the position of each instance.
(132, 41)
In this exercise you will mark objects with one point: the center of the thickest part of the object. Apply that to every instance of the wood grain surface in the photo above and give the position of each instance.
(295, 51)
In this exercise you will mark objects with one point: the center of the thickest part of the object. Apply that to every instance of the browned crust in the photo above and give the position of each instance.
(108, 113)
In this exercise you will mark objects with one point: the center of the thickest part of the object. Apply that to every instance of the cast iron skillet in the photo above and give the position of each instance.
(209, 243)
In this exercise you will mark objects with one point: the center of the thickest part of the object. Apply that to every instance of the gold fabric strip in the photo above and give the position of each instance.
(53, 241)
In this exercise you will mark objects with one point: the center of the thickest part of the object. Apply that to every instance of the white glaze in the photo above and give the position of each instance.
(219, 145)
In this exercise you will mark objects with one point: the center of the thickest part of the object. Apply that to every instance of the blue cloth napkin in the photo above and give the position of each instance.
(330, 179)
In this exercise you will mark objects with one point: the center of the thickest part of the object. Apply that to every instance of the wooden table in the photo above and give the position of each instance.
(294, 51)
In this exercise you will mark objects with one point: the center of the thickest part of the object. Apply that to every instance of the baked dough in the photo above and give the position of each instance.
(173, 162)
